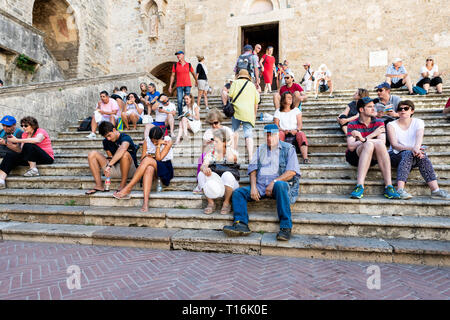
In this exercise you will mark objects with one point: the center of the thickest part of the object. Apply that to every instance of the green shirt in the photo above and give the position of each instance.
(244, 106)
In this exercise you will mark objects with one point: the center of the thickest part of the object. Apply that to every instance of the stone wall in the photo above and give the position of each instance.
(60, 104)
(342, 35)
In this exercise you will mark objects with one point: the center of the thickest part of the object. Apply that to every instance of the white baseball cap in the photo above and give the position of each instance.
(214, 187)
(397, 60)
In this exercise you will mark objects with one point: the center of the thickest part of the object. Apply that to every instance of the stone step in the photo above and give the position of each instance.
(194, 150)
(316, 158)
(308, 186)
(309, 203)
(340, 170)
(331, 128)
(320, 224)
(427, 252)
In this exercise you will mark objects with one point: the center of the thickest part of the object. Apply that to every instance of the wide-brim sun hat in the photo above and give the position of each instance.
(214, 187)
(244, 74)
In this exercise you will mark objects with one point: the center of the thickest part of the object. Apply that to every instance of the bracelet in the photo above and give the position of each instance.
(365, 140)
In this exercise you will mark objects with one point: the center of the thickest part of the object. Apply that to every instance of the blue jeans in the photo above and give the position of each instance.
(281, 194)
(248, 128)
(181, 92)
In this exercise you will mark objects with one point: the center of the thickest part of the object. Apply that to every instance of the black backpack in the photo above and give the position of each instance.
(245, 62)
(85, 125)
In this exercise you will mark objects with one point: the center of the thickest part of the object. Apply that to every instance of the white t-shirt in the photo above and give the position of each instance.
(288, 120)
(407, 138)
(161, 117)
(132, 107)
(151, 148)
(430, 72)
(319, 74)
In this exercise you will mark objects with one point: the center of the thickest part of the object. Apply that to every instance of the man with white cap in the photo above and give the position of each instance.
(397, 76)
(274, 173)
(294, 88)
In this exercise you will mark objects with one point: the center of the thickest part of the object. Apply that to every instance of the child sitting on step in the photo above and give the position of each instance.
(156, 161)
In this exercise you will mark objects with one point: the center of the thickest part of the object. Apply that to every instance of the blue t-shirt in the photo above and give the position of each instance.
(114, 146)
(153, 96)
(17, 133)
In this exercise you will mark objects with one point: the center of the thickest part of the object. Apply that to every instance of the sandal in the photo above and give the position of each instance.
(306, 161)
(93, 191)
(225, 209)
(209, 209)
(125, 197)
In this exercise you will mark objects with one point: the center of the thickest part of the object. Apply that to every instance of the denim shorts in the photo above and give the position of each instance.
(248, 128)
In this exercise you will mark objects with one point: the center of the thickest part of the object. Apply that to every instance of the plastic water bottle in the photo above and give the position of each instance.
(159, 187)
(261, 117)
(107, 184)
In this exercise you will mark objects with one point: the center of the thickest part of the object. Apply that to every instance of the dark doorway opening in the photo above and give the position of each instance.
(163, 73)
(265, 35)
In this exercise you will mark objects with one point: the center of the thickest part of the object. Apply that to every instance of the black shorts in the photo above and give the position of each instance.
(432, 82)
(353, 158)
(397, 85)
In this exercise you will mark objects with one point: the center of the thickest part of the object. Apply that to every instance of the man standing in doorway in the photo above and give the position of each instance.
(182, 70)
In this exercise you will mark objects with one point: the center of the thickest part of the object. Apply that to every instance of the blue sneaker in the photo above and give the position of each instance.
(357, 192)
(391, 193)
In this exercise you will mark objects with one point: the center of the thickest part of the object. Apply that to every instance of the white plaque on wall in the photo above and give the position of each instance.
(378, 58)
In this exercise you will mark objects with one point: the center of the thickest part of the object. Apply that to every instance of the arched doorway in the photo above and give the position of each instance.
(163, 73)
(56, 19)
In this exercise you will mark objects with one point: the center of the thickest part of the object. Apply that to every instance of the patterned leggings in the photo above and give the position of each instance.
(405, 162)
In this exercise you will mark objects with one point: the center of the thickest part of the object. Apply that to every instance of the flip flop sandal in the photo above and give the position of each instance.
(306, 161)
(126, 197)
(226, 210)
(209, 209)
(93, 191)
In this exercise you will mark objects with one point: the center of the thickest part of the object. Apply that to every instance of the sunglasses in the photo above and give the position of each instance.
(215, 123)
(403, 108)
(429, 59)
(24, 125)
(380, 90)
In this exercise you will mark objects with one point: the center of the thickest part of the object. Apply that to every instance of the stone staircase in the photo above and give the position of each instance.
(327, 224)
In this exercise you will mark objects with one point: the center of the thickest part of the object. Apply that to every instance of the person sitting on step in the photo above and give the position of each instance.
(430, 76)
(407, 152)
(366, 142)
(289, 120)
(322, 81)
(107, 110)
(274, 173)
(133, 111)
(351, 113)
(223, 154)
(398, 77)
(9, 129)
(165, 112)
(121, 162)
(294, 88)
(190, 120)
(35, 148)
(156, 161)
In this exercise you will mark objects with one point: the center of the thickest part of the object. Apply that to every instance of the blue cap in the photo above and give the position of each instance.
(248, 47)
(271, 128)
(179, 52)
(367, 100)
(384, 85)
(8, 121)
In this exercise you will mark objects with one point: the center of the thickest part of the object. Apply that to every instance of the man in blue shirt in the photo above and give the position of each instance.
(152, 97)
(274, 173)
(397, 76)
(9, 129)
(121, 162)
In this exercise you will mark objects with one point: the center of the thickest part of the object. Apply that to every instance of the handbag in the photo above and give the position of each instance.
(221, 168)
(228, 109)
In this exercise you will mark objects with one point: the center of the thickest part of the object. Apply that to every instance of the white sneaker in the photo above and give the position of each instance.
(91, 136)
(404, 195)
(440, 195)
(32, 173)
(2, 184)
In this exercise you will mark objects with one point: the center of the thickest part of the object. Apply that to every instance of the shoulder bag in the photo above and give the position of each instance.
(228, 109)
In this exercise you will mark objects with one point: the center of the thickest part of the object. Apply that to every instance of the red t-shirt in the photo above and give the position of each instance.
(182, 73)
(295, 87)
(448, 104)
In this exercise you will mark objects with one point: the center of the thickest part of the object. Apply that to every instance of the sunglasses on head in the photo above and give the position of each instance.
(403, 108)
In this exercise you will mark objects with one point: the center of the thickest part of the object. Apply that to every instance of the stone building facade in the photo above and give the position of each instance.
(356, 39)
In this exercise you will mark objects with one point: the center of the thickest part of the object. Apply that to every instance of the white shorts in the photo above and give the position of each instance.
(203, 85)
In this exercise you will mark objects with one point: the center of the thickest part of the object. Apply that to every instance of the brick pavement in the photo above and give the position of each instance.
(39, 271)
